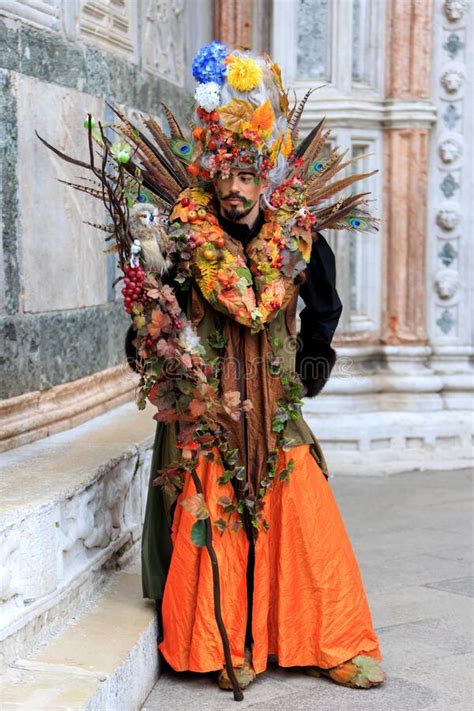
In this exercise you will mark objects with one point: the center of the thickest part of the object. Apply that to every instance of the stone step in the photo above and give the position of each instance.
(104, 661)
(381, 443)
(71, 506)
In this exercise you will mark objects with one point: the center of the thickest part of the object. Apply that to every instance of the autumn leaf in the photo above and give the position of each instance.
(169, 415)
(198, 534)
(159, 322)
(196, 506)
(186, 360)
(200, 196)
(139, 322)
(220, 524)
(263, 119)
(236, 114)
(197, 407)
(164, 348)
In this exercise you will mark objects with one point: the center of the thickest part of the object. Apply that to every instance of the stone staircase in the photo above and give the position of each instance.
(75, 632)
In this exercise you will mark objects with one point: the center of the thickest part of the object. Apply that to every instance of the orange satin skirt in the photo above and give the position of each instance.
(309, 604)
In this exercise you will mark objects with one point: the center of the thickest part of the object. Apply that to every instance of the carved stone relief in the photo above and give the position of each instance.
(454, 9)
(447, 283)
(39, 12)
(452, 80)
(109, 23)
(163, 40)
(42, 552)
(95, 517)
(450, 150)
(450, 50)
(448, 217)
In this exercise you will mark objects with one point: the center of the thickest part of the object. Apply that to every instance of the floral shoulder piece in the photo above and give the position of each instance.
(253, 286)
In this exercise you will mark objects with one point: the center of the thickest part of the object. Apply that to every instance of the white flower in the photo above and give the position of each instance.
(208, 95)
(189, 340)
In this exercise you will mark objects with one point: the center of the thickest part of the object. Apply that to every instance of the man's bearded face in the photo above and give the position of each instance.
(238, 194)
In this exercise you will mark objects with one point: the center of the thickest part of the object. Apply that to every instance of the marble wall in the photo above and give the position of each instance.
(59, 317)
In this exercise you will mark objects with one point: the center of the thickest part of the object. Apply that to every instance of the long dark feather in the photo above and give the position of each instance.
(294, 120)
(83, 188)
(162, 141)
(175, 129)
(64, 156)
(327, 191)
(304, 145)
(169, 174)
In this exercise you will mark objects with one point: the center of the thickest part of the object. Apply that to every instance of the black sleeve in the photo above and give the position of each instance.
(319, 318)
(181, 296)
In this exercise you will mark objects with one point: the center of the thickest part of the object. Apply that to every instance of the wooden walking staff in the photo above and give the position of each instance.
(238, 693)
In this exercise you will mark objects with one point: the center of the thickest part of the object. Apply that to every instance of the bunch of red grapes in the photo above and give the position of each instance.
(133, 290)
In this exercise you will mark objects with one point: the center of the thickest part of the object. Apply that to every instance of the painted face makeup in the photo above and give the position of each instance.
(239, 193)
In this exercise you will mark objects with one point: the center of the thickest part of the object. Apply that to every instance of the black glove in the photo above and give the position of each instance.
(315, 360)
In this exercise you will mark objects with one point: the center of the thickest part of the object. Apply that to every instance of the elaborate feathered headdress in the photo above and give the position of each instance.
(241, 114)
(242, 117)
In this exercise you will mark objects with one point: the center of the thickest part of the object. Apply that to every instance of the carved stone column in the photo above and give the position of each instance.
(233, 22)
(406, 155)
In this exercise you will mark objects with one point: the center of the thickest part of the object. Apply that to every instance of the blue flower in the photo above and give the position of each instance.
(208, 65)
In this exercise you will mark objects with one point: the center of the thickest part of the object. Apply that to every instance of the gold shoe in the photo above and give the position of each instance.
(361, 672)
(245, 674)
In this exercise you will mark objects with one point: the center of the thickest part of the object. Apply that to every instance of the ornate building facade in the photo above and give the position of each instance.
(395, 87)
(395, 80)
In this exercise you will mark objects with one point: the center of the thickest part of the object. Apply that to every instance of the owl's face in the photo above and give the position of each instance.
(145, 214)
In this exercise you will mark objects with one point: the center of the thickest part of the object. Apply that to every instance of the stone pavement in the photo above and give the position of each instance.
(413, 537)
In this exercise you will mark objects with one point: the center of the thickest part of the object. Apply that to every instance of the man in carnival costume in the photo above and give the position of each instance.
(290, 584)
(216, 237)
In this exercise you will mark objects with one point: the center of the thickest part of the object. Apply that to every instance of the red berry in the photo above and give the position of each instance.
(185, 202)
(214, 116)
(127, 301)
(212, 145)
(124, 291)
(126, 268)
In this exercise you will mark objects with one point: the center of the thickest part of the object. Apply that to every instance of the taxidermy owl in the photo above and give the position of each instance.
(148, 225)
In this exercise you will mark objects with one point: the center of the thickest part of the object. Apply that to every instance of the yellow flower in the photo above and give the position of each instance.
(244, 73)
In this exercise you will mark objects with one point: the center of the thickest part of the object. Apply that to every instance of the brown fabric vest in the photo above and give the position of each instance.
(244, 369)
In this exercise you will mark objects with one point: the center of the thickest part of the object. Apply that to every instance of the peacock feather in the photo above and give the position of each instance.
(183, 149)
